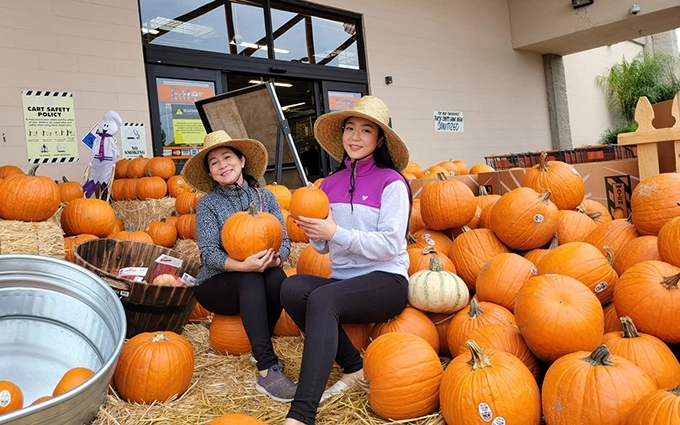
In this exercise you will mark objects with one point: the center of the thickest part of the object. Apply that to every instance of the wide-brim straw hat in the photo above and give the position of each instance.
(198, 177)
(328, 129)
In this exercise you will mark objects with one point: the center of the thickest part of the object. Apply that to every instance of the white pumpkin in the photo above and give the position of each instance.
(436, 290)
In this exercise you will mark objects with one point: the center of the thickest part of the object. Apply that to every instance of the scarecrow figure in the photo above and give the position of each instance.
(104, 154)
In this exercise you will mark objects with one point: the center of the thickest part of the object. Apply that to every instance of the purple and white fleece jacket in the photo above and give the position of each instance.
(371, 229)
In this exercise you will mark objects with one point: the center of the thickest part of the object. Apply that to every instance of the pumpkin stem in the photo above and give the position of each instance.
(33, 170)
(444, 319)
(629, 329)
(411, 239)
(599, 357)
(252, 209)
(671, 282)
(610, 254)
(543, 162)
(675, 390)
(441, 176)
(129, 227)
(436, 263)
(545, 196)
(429, 250)
(475, 309)
(554, 242)
(482, 190)
(159, 337)
(64, 179)
(479, 360)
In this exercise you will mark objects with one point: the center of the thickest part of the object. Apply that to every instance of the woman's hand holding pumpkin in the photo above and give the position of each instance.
(261, 261)
(318, 228)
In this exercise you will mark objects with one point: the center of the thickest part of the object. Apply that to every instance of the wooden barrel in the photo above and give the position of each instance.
(147, 307)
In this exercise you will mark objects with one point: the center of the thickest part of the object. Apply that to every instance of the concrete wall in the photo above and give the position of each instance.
(588, 112)
(91, 48)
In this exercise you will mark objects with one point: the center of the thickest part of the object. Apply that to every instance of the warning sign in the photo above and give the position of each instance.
(50, 124)
(187, 125)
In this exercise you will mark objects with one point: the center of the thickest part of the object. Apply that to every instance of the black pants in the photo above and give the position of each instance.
(318, 306)
(255, 296)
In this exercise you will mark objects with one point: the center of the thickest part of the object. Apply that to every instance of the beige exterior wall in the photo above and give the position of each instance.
(450, 57)
(91, 48)
(589, 115)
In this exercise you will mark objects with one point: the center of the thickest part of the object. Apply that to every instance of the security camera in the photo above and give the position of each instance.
(635, 9)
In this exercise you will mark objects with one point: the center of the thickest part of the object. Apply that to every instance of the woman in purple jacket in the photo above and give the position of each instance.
(365, 234)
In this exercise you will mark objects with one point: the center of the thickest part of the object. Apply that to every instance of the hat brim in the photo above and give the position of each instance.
(198, 177)
(328, 132)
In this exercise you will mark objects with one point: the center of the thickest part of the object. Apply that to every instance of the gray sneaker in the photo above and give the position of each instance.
(276, 385)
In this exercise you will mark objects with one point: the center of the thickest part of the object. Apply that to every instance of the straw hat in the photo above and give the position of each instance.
(198, 177)
(328, 129)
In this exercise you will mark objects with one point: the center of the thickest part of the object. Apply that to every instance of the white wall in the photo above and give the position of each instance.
(91, 48)
(589, 115)
(448, 56)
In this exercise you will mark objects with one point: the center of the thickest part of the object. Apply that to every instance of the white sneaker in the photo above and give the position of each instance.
(334, 390)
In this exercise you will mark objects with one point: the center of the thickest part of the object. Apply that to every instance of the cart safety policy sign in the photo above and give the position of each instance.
(448, 121)
(50, 125)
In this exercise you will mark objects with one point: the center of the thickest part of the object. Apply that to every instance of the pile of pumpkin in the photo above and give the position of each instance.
(549, 308)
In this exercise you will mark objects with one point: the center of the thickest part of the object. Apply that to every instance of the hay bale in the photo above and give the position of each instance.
(226, 384)
(188, 248)
(40, 238)
(295, 249)
(140, 213)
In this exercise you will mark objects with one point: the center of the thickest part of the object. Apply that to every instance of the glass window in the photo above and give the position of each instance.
(249, 32)
(335, 43)
(181, 126)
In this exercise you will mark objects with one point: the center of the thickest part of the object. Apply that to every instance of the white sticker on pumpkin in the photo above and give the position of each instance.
(426, 236)
(499, 420)
(5, 398)
(534, 271)
(601, 287)
(485, 412)
(430, 242)
(538, 218)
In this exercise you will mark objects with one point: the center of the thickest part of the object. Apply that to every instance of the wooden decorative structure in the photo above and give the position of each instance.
(657, 137)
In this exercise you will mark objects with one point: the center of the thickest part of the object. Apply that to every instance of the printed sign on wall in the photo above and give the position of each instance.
(448, 121)
(50, 124)
(133, 140)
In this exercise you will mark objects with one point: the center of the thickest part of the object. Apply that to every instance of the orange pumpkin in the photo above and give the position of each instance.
(132, 235)
(647, 351)
(654, 201)
(10, 170)
(311, 262)
(445, 204)
(412, 321)
(28, 197)
(660, 407)
(359, 334)
(573, 226)
(612, 234)
(12, 397)
(137, 167)
(121, 170)
(177, 185)
(501, 277)
(186, 226)
(635, 251)
(248, 232)
(667, 242)
(71, 379)
(595, 210)
(571, 316)
(199, 314)
(160, 166)
(565, 184)
(236, 419)
(475, 388)
(416, 220)
(154, 366)
(403, 374)
(419, 259)
(69, 190)
(473, 316)
(71, 241)
(162, 233)
(309, 202)
(524, 219)
(88, 215)
(470, 250)
(41, 399)
(285, 326)
(481, 168)
(581, 385)
(282, 194)
(295, 232)
(227, 335)
(151, 188)
(431, 238)
(187, 202)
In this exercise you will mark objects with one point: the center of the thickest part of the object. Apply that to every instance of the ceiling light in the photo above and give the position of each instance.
(262, 47)
(580, 3)
(287, 107)
(276, 83)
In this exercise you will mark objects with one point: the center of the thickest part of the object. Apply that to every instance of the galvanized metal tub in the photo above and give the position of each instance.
(55, 315)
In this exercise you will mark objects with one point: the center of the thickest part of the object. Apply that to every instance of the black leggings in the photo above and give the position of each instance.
(255, 296)
(318, 306)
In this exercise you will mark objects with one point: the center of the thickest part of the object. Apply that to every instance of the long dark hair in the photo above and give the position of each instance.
(252, 181)
(382, 159)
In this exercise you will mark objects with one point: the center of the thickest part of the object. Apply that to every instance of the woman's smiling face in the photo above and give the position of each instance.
(225, 167)
(360, 138)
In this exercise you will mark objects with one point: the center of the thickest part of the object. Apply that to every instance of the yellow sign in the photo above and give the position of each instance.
(50, 124)
(187, 125)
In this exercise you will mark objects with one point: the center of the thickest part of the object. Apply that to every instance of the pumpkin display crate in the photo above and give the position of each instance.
(147, 307)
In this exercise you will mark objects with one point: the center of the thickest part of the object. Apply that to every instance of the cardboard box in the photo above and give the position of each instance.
(469, 179)
(610, 183)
